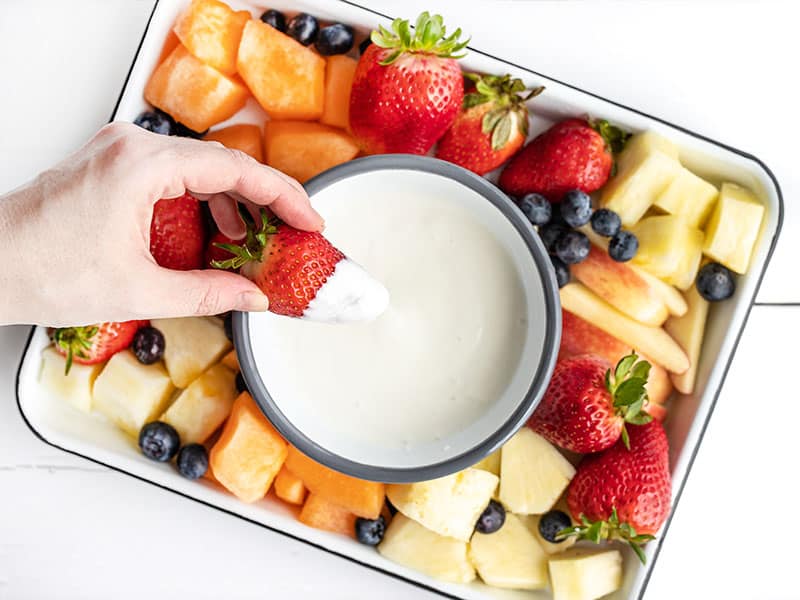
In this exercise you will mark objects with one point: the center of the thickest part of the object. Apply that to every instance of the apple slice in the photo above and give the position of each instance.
(688, 331)
(621, 287)
(652, 341)
(581, 337)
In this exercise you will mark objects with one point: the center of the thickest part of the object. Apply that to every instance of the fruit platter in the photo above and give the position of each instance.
(658, 239)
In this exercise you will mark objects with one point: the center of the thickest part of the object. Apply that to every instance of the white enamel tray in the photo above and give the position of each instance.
(59, 425)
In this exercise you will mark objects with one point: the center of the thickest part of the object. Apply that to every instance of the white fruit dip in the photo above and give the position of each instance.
(438, 359)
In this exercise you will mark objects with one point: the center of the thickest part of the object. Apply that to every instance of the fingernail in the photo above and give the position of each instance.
(252, 302)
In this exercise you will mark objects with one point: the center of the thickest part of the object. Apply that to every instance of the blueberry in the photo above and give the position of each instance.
(148, 345)
(241, 386)
(572, 247)
(182, 130)
(550, 234)
(537, 208)
(362, 47)
(606, 222)
(156, 121)
(193, 461)
(159, 441)
(303, 28)
(227, 324)
(715, 282)
(623, 246)
(275, 18)
(551, 523)
(576, 208)
(492, 518)
(370, 531)
(562, 271)
(335, 39)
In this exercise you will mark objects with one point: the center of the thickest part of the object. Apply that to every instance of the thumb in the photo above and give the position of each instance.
(207, 292)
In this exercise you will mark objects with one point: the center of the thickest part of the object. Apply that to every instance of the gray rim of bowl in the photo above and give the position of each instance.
(539, 381)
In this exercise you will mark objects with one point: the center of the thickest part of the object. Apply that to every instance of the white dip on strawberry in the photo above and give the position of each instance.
(443, 355)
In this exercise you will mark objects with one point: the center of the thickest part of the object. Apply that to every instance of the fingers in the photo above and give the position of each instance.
(226, 215)
(203, 293)
(209, 168)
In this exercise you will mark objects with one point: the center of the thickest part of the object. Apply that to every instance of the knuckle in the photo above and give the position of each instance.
(208, 302)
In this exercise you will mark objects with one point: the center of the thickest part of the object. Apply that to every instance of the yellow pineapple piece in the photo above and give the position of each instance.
(584, 574)
(76, 386)
(643, 143)
(733, 227)
(491, 463)
(191, 345)
(669, 248)
(690, 197)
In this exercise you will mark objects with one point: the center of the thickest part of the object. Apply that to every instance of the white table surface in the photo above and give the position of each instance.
(70, 529)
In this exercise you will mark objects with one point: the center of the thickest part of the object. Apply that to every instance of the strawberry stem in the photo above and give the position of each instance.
(627, 386)
(75, 342)
(611, 529)
(251, 249)
(429, 37)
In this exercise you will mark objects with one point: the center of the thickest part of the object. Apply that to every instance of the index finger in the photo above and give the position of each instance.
(209, 167)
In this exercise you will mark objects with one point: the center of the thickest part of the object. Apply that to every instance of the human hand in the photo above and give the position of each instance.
(75, 241)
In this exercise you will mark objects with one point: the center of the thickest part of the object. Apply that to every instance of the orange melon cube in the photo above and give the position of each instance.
(289, 487)
(287, 79)
(231, 361)
(170, 44)
(193, 93)
(211, 31)
(246, 138)
(338, 82)
(303, 150)
(249, 452)
(320, 513)
(363, 498)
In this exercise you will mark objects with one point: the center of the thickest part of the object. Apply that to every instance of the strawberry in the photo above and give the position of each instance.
(492, 126)
(623, 493)
(586, 406)
(407, 88)
(177, 233)
(572, 154)
(215, 252)
(295, 269)
(94, 344)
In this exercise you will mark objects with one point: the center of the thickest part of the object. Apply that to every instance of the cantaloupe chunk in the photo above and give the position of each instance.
(249, 453)
(193, 93)
(303, 150)
(246, 138)
(231, 361)
(338, 82)
(320, 513)
(364, 498)
(289, 487)
(170, 43)
(287, 79)
(211, 31)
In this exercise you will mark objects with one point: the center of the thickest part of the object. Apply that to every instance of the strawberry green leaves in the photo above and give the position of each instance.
(429, 36)
(251, 249)
(627, 388)
(612, 529)
(75, 342)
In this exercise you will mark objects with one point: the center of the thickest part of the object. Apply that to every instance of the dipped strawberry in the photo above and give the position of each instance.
(623, 493)
(177, 233)
(92, 344)
(586, 405)
(572, 155)
(492, 126)
(304, 275)
(407, 88)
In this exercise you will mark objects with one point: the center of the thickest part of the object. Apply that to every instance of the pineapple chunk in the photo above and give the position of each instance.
(688, 331)
(449, 505)
(582, 574)
(532, 523)
(669, 248)
(533, 473)
(646, 167)
(690, 197)
(733, 227)
(491, 463)
(408, 543)
(191, 346)
(75, 387)
(131, 394)
(203, 406)
(510, 557)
